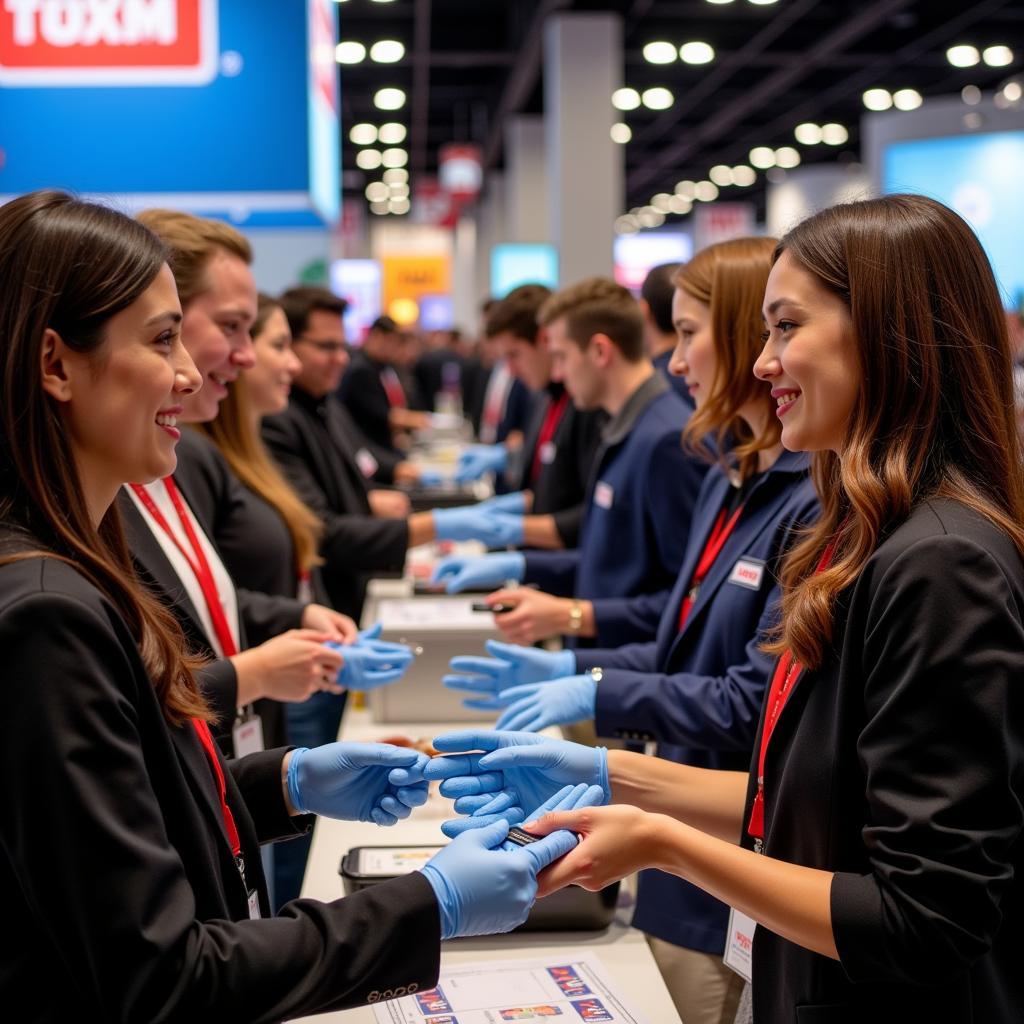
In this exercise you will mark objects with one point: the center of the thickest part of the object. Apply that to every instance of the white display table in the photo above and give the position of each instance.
(622, 949)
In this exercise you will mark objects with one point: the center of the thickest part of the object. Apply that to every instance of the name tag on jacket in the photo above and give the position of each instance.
(604, 495)
(366, 462)
(747, 572)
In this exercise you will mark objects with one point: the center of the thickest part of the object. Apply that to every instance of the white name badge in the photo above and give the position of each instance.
(547, 452)
(247, 736)
(747, 572)
(367, 464)
(254, 905)
(739, 945)
(604, 495)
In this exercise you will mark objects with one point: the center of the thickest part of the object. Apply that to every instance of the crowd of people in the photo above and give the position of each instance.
(766, 519)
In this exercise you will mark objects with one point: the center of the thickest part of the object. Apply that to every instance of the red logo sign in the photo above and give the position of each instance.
(107, 42)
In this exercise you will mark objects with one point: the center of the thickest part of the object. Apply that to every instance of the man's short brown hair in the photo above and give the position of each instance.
(300, 301)
(597, 305)
(516, 314)
(193, 241)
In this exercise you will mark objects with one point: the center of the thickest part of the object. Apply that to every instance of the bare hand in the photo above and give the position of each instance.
(535, 615)
(389, 504)
(341, 628)
(616, 841)
(296, 664)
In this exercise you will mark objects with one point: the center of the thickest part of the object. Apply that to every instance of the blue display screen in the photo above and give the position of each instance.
(979, 176)
(516, 263)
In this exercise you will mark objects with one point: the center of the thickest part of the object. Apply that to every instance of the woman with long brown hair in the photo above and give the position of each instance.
(697, 690)
(129, 867)
(877, 840)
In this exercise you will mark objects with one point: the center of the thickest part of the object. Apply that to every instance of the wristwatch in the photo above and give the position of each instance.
(575, 617)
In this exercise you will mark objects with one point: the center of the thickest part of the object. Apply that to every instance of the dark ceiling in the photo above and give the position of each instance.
(469, 64)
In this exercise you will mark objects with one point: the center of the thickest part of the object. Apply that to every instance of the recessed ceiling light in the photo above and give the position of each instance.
(392, 133)
(971, 95)
(377, 192)
(621, 133)
(963, 55)
(833, 134)
(808, 133)
(362, 134)
(1013, 91)
(706, 191)
(907, 99)
(697, 53)
(349, 52)
(658, 98)
(368, 159)
(399, 190)
(395, 175)
(997, 56)
(677, 204)
(380, 207)
(743, 175)
(400, 205)
(762, 157)
(762, 3)
(721, 174)
(625, 225)
(686, 189)
(625, 99)
(659, 52)
(786, 157)
(387, 51)
(662, 201)
(389, 99)
(394, 158)
(877, 99)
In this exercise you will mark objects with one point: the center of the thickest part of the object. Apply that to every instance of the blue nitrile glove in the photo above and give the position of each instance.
(352, 781)
(509, 666)
(483, 887)
(478, 459)
(495, 529)
(514, 504)
(479, 572)
(371, 663)
(536, 706)
(371, 632)
(484, 810)
(430, 478)
(523, 767)
(370, 637)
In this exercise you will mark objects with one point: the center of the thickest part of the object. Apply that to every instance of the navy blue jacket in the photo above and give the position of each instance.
(638, 506)
(702, 689)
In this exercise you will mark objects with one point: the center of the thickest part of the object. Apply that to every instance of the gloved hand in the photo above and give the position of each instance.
(430, 478)
(524, 769)
(478, 459)
(484, 810)
(351, 781)
(537, 705)
(485, 886)
(514, 504)
(509, 666)
(495, 529)
(372, 663)
(369, 638)
(461, 572)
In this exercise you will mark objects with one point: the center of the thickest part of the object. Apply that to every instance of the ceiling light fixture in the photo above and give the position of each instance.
(362, 134)
(762, 157)
(659, 52)
(686, 189)
(368, 159)
(997, 56)
(697, 53)
(877, 99)
(706, 191)
(808, 133)
(377, 192)
(389, 99)
(625, 99)
(392, 133)
(396, 175)
(743, 175)
(621, 133)
(350, 52)
(394, 158)
(680, 205)
(721, 174)
(658, 98)
(787, 157)
(387, 51)
(833, 134)
(963, 55)
(907, 99)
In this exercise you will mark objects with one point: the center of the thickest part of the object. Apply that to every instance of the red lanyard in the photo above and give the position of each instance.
(547, 431)
(206, 740)
(720, 533)
(497, 389)
(198, 564)
(787, 672)
(392, 388)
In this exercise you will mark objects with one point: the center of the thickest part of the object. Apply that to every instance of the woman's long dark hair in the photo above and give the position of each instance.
(70, 266)
(934, 415)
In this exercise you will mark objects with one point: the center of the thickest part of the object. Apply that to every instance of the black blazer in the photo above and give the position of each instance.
(121, 897)
(899, 765)
(363, 394)
(312, 444)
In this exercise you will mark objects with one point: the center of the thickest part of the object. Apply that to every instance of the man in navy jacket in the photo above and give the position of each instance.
(641, 491)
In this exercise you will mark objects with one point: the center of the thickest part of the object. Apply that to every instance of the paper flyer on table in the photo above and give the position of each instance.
(566, 990)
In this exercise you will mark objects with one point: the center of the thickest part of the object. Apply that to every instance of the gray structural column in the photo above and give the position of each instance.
(526, 175)
(582, 68)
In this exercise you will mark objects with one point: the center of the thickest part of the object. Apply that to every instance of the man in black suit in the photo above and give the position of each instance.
(372, 391)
